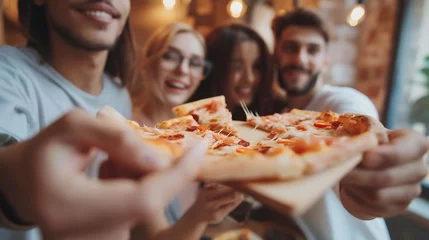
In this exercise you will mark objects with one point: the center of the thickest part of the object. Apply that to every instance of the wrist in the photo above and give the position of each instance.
(192, 216)
(7, 174)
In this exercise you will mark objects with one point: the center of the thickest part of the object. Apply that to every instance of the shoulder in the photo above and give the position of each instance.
(18, 54)
(16, 61)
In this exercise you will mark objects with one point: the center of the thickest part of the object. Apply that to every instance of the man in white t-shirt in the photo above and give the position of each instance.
(387, 179)
(79, 55)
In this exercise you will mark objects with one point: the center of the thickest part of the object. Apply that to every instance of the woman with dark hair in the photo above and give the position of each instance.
(242, 71)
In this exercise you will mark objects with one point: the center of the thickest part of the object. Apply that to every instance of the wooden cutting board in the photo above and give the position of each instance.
(291, 197)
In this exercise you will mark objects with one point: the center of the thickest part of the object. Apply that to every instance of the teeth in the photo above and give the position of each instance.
(177, 84)
(99, 14)
(245, 90)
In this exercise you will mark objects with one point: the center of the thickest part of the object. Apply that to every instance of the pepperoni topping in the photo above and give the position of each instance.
(194, 128)
(301, 128)
(286, 141)
(244, 143)
(173, 137)
(264, 149)
(335, 124)
(203, 128)
(328, 116)
(213, 107)
(221, 145)
(322, 124)
(244, 150)
(195, 116)
(274, 133)
(191, 128)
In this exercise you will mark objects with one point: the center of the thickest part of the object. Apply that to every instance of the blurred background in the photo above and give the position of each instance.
(380, 47)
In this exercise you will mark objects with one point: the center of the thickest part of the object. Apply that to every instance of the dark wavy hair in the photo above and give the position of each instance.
(304, 18)
(220, 45)
(121, 61)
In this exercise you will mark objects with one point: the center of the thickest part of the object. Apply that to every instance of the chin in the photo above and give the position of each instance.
(176, 101)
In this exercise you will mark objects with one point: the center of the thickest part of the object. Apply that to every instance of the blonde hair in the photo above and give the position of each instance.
(156, 45)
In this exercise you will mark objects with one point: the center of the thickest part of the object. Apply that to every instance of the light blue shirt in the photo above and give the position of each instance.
(33, 95)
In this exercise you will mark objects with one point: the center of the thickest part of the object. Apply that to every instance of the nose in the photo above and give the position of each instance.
(249, 76)
(302, 56)
(183, 67)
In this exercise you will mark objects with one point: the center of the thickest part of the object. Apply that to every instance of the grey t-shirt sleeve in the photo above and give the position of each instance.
(173, 211)
(15, 116)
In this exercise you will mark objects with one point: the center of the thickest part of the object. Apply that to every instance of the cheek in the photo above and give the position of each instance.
(159, 77)
(233, 81)
(195, 82)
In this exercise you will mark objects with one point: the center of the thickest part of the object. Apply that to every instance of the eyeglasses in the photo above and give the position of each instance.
(198, 67)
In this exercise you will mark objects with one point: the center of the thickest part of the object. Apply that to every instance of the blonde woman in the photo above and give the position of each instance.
(173, 66)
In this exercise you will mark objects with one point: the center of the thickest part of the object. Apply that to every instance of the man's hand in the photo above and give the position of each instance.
(388, 178)
(44, 179)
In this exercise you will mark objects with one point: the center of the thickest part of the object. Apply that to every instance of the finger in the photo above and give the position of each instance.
(215, 193)
(89, 204)
(121, 144)
(356, 205)
(158, 189)
(365, 206)
(393, 195)
(412, 172)
(404, 146)
(224, 200)
(227, 208)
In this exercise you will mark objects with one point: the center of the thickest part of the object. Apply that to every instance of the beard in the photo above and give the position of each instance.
(76, 42)
(297, 92)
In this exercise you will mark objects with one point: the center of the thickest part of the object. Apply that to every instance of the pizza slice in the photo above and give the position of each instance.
(219, 144)
(164, 149)
(232, 158)
(323, 139)
(210, 112)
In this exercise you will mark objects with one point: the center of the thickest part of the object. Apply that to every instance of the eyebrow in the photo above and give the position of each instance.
(178, 50)
(312, 44)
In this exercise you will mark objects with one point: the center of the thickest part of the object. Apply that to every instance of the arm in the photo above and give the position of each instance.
(187, 228)
(8, 215)
(55, 193)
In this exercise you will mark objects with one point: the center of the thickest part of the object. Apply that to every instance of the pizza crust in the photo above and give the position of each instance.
(178, 123)
(329, 156)
(185, 109)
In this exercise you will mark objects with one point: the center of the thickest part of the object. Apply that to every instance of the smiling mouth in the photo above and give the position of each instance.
(100, 12)
(176, 85)
(244, 92)
(104, 16)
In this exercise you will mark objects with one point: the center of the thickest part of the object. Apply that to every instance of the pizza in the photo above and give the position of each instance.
(239, 234)
(290, 145)
(210, 112)
(320, 139)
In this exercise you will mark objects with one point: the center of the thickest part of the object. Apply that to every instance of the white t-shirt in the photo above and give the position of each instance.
(328, 219)
(33, 95)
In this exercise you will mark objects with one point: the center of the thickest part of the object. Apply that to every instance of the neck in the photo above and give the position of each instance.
(82, 68)
(302, 101)
(156, 112)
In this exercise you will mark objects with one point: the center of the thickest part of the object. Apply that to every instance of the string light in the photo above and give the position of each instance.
(236, 8)
(356, 14)
(169, 4)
